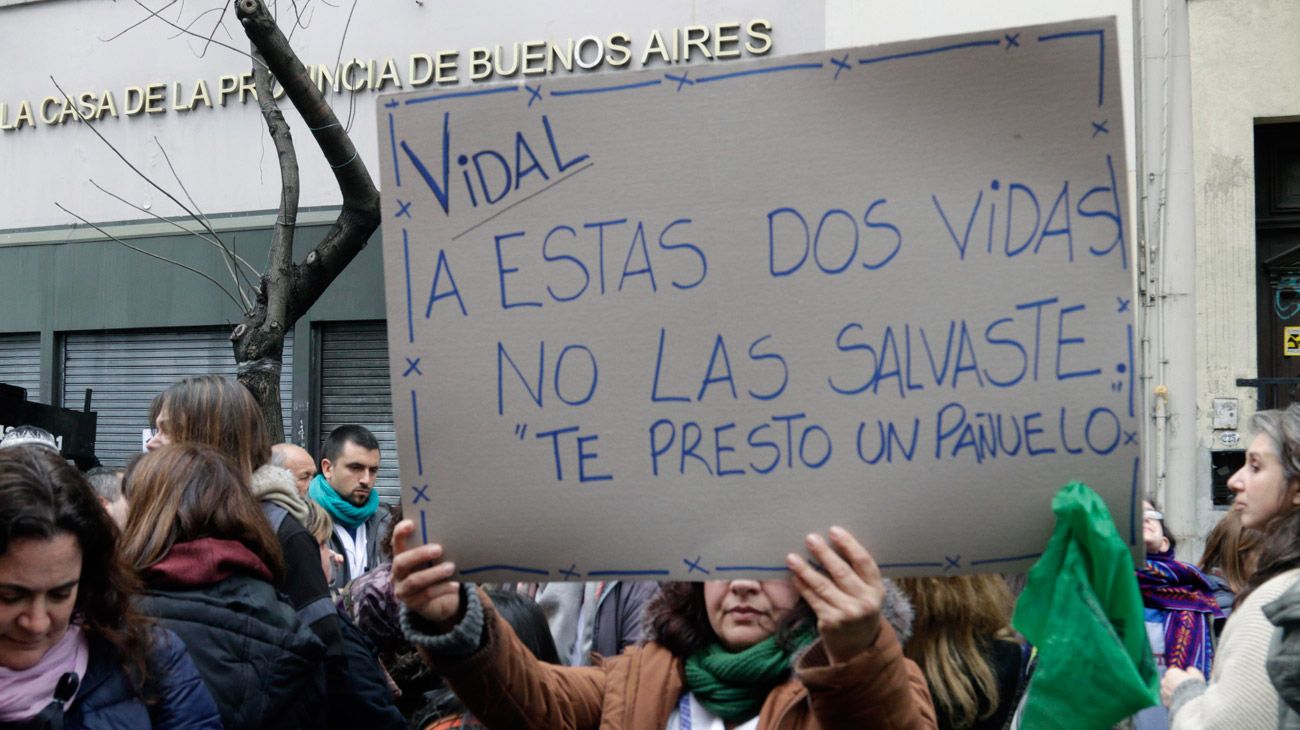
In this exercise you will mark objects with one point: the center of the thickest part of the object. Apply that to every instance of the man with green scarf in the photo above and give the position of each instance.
(345, 488)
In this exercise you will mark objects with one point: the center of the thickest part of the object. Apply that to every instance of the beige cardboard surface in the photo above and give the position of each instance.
(663, 324)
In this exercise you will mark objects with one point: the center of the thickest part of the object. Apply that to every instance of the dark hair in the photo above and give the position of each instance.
(679, 621)
(529, 622)
(1164, 528)
(184, 492)
(41, 497)
(345, 434)
(106, 481)
(1231, 549)
(1279, 549)
(217, 411)
(386, 539)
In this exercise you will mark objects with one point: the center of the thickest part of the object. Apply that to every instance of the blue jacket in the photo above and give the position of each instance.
(106, 700)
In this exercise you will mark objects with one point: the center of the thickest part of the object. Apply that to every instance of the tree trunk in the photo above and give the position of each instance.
(287, 290)
(259, 353)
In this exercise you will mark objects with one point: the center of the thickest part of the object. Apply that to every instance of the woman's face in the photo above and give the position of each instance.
(744, 612)
(161, 433)
(38, 588)
(1153, 533)
(1260, 485)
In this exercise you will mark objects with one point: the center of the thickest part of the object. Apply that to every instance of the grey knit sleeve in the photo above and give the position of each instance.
(463, 640)
(1184, 693)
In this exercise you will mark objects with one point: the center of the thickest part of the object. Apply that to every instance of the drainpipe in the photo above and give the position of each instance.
(1161, 423)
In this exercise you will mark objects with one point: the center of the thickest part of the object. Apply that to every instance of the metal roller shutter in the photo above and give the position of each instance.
(20, 363)
(127, 369)
(354, 388)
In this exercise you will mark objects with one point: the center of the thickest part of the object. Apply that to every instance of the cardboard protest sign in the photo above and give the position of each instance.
(663, 324)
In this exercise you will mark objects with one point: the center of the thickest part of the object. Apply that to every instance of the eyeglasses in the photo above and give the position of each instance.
(1153, 515)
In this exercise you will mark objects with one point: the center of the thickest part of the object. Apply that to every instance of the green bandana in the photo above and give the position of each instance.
(733, 686)
(344, 512)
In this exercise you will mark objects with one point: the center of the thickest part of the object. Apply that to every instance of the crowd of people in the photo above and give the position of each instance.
(221, 581)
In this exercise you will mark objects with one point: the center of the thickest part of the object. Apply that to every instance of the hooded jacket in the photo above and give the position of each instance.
(262, 665)
(505, 686)
(1283, 661)
(304, 585)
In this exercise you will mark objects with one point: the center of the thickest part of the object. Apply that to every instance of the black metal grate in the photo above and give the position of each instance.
(1223, 464)
(1273, 392)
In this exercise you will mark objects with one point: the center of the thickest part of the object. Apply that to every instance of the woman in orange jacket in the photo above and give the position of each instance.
(806, 653)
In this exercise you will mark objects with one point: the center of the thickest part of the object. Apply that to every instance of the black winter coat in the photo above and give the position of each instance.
(364, 702)
(264, 667)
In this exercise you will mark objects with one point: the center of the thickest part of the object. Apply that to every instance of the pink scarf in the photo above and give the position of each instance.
(25, 692)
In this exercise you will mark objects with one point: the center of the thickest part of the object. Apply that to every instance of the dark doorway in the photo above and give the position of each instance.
(1277, 236)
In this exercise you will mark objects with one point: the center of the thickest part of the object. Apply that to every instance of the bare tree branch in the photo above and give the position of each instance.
(144, 177)
(136, 24)
(160, 188)
(359, 216)
(220, 19)
(279, 274)
(202, 218)
(338, 58)
(164, 219)
(155, 14)
(154, 255)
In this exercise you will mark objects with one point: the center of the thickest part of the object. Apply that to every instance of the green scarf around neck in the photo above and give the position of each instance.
(734, 685)
(344, 512)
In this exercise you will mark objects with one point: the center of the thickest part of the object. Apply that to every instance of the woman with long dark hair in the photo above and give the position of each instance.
(801, 653)
(209, 562)
(74, 653)
(1238, 693)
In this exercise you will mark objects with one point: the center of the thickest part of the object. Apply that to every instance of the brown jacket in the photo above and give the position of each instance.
(507, 688)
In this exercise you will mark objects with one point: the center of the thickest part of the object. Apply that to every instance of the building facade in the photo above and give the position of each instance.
(1210, 99)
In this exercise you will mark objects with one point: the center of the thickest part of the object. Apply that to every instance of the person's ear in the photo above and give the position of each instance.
(326, 468)
(1164, 544)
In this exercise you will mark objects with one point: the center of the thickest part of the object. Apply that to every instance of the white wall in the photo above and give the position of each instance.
(223, 153)
(1245, 65)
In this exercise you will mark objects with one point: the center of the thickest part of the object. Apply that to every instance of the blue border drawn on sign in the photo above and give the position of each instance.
(1133, 503)
(1101, 54)
(503, 566)
(406, 258)
(392, 140)
(1010, 559)
(461, 94)
(928, 51)
(415, 428)
(758, 71)
(605, 89)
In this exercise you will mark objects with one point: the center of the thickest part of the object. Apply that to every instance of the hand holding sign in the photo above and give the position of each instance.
(847, 599)
(422, 582)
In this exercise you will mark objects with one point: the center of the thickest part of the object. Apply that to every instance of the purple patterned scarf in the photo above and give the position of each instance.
(1185, 597)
